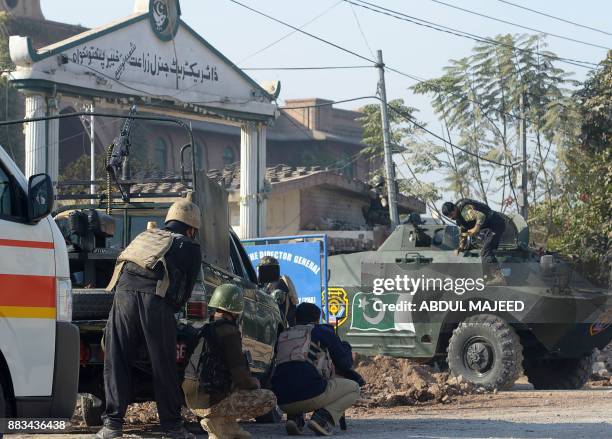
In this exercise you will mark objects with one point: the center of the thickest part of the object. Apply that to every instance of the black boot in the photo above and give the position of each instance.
(295, 425)
(321, 423)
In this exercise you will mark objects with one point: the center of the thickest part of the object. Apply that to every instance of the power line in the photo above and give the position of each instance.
(365, 39)
(413, 77)
(326, 104)
(410, 119)
(519, 25)
(290, 33)
(555, 18)
(308, 68)
(440, 28)
(304, 32)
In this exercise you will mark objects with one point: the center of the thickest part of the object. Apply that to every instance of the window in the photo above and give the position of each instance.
(13, 200)
(6, 202)
(229, 156)
(160, 157)
(11, 3)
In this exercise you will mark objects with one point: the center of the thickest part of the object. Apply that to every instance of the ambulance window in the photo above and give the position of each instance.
(10, 196)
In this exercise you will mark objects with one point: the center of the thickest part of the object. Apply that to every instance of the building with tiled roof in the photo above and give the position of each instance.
(301, 200)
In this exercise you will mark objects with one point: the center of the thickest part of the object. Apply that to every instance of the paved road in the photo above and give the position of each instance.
(520, 413)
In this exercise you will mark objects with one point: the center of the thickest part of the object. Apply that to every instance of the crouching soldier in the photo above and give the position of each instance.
(304, 379)
(218, 385)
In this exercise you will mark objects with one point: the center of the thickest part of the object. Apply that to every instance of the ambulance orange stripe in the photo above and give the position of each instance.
(27, 290)
(27, 244)
(27, 312)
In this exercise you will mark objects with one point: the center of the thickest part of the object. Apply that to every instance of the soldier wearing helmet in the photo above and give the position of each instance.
(281, 288)
(477, 218)
(218, 385)
(153, 278)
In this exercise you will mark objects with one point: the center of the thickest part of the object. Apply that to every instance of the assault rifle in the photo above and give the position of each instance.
(117, 158)
(119, 151)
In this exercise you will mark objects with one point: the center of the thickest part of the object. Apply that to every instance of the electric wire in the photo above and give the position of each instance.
(411, 120)
(365, 39)
(441, 28)
(297, 29)
(519, 25)
(555, 18)
(308, 68)
(289, 34)
(413, 77)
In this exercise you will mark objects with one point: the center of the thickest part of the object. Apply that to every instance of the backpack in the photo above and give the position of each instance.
(295, 344)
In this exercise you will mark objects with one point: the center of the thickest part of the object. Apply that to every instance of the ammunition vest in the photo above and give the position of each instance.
(147, 250)
(477, 205)
(295, 344)
(207, 372)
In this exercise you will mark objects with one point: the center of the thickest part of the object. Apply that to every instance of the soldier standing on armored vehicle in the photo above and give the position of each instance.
(218, 385)
(154, 277)
(474, 217)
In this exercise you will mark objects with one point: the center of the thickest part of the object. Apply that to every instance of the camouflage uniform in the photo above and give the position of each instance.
(218, 385)
(241, 404)
(470, 214)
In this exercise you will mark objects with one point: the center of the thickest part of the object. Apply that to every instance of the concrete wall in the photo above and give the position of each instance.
(283, 213)
(321, 208)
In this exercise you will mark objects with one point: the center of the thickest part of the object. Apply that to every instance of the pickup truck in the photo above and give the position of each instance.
(95, 239)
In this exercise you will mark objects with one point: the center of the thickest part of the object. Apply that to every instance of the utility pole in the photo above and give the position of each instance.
(524, 179)
(389, 169)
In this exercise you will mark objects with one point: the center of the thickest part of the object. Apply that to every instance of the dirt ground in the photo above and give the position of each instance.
(406, 400)
(520, 413)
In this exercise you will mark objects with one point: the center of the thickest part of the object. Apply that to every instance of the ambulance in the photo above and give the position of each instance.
(39, 346)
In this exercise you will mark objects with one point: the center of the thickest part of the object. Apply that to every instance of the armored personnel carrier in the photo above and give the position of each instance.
(416, 297)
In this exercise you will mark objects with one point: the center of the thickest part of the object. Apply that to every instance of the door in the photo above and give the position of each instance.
(27, 291)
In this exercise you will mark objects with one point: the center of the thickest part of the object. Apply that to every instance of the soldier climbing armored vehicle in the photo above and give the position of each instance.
(416, 298)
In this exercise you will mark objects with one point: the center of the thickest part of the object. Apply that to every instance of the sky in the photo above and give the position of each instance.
(419, 51)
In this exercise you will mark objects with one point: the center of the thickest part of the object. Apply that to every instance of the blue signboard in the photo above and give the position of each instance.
(300, 261)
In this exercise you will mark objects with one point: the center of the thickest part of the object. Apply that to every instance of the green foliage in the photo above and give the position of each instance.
(405, 142)
(582, 212)
(595, 100)
(371, 123)
(479, 101)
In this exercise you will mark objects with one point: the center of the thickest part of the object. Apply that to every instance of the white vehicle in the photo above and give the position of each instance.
(39, 346)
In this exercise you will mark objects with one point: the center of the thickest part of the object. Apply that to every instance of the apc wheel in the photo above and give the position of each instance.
(486, 351)
(559, 374)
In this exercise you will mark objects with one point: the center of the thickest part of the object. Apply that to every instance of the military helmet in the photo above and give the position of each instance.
(377, 181)
(267, 260)
(227, 297)
(184, 211)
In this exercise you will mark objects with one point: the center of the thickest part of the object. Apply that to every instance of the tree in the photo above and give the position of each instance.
(478, 99)
(595, 102)
(581, 212)
(404, 137)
